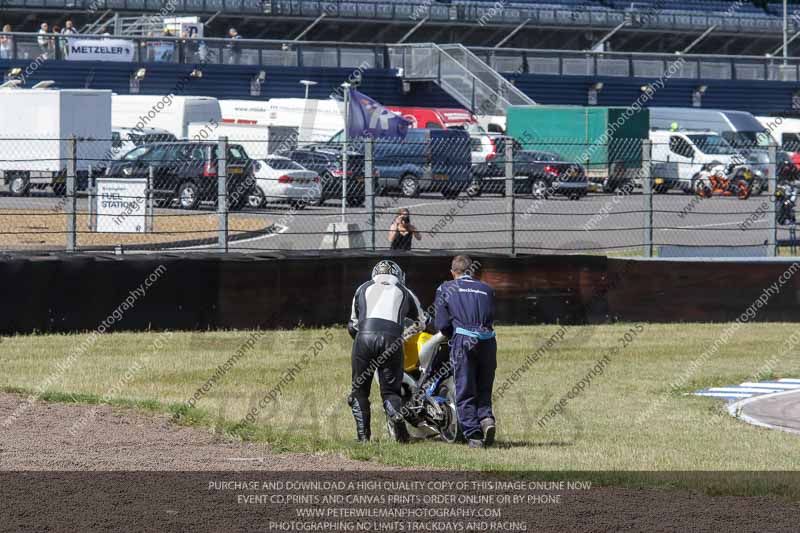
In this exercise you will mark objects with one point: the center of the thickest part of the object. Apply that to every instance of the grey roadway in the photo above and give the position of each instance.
(598, 222)
(781, 411)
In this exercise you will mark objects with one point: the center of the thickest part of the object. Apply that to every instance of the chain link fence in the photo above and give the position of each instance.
(675, 194)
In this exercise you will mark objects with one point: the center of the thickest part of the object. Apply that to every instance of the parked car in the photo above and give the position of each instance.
(538, 173)
(425, 160)
(326, 161)
(281, 180)
(187, 172)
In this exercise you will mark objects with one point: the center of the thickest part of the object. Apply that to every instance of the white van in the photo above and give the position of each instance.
(168, 112)
(315, 120)
(257, 140)
(679, 155)
(786, 131)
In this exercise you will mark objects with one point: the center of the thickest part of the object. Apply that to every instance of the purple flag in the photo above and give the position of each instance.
(368, 118)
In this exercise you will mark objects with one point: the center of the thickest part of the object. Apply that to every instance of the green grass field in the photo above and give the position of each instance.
(602, 429)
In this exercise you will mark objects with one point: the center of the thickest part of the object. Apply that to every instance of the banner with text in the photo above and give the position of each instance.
(119, 50)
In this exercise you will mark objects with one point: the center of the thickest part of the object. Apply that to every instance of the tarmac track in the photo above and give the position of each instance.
(777, 411)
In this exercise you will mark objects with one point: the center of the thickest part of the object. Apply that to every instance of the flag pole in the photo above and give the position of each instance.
(344, 149)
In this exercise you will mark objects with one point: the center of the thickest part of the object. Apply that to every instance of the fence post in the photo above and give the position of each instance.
(647, 194)
(70, 194)
(222, 194)
(369, 190)
(509, 186)
(149, 221)
(772, 239)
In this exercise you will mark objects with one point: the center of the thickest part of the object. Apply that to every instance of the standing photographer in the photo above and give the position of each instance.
(402, 231)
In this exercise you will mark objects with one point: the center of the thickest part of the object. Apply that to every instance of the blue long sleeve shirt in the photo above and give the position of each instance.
(464, 303)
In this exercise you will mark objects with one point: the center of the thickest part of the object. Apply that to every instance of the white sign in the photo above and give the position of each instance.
(121, 205)
(100, 50)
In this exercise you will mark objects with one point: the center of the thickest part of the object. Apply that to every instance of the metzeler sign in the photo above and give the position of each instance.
(119, 50)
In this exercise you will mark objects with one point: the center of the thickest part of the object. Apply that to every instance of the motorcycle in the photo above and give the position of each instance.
(428, 390)
(785, 202)
(726, 180)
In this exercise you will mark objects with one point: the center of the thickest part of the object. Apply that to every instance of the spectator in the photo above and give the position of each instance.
(68, 31)
(6, 43)
(43, 41)
(233, 47)
(402, 231)
(55, 42)
(69, 28)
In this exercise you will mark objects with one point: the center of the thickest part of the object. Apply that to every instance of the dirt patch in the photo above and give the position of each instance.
(47, 229)
(53, 436)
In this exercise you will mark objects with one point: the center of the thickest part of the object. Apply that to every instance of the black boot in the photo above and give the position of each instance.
(397, 422)
(361, 414)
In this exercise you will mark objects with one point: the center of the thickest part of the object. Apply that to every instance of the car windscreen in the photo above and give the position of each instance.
(283, 164)
(712, 144)
(136, 153)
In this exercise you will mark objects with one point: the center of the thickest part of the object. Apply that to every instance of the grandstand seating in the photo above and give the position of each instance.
(233, 82)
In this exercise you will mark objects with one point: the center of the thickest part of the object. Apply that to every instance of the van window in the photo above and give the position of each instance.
(712, 144)
(790, 142)
(679, 146)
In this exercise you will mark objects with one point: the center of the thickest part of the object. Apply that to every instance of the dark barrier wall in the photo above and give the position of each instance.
(69, 293)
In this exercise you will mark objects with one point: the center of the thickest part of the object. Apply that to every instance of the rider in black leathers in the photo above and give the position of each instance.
(376, 325)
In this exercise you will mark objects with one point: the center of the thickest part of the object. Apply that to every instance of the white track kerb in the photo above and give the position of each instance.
(735, 410)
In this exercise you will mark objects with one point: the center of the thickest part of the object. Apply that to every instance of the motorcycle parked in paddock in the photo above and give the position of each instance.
(428, 390)
(727, 180)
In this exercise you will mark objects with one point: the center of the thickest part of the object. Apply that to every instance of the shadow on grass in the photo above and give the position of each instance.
(507, 444)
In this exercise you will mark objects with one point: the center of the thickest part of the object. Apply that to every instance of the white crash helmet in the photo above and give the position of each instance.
(386, 266)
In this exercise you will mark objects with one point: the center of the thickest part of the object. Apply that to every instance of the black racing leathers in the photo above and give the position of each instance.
(376, 323)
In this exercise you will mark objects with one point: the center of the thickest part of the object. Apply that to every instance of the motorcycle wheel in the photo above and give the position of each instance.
(451, 430)
(742, 190)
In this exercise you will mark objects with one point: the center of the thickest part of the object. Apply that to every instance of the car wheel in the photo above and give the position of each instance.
(409, 186)
(188, 195)
(474, 189)
(355, 202)
(256, 198)
(298, 204)
(19, 185)
(609, 186)
(539, 188)
(60, 189)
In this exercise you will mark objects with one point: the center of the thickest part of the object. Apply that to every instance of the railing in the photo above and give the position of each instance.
(461, 74)
(262, 52)
(485, 13)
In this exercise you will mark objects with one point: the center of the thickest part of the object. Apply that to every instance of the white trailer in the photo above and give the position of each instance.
(168, 112)
(36, 126)
(315, 120)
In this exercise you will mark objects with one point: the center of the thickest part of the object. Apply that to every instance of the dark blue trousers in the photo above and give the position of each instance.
(474, 364)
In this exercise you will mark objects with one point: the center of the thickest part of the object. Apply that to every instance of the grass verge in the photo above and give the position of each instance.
(601, 430)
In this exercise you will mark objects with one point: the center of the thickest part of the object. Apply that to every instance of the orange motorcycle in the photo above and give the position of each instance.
(730, 180)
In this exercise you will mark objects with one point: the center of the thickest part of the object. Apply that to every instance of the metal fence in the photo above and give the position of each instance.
(434, 190)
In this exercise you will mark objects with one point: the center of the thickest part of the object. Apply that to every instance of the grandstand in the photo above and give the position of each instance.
(462, 69)
(741, 26)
